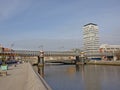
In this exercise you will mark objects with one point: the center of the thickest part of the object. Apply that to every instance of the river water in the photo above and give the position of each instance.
(88, 77)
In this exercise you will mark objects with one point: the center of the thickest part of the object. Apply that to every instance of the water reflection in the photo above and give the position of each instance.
(80, 77)
(80, 68)
(92, 79)
(40, 70)
(99, 77)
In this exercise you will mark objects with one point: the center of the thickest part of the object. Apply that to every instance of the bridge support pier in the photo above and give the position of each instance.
(79, 60)
(41, 64)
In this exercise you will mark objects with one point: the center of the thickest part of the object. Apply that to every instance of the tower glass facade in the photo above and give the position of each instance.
(90, 38)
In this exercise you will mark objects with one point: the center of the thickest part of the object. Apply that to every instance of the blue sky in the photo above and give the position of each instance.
(56, 23)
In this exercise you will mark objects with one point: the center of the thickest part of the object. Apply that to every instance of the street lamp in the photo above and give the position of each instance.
(41, 47)
(12, 56)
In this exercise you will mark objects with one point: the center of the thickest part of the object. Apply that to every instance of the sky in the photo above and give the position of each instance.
(56, 24)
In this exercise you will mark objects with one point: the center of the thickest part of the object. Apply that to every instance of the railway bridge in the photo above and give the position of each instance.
(42, 54)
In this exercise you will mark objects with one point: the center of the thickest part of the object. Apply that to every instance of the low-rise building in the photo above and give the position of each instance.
(110, 51)
(109, 48)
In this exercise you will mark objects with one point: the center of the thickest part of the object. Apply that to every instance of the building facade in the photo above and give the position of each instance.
(109, 48)
(90, 39)
(110, 52)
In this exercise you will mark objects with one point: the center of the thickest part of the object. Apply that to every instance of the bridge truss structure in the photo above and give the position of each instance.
(37, 53)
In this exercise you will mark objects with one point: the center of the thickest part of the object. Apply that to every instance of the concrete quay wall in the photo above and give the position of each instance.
(35, 81)
(101, 62)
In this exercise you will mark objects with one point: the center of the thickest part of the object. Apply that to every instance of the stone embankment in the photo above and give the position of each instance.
(35, 81)
(101, 62)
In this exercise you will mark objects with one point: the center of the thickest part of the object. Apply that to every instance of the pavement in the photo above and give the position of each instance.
(21, 77)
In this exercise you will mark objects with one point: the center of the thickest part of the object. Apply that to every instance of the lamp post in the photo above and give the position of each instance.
(11, 46)
(41, 47)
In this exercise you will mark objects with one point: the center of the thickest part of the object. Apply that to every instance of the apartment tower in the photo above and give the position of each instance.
(90, 39)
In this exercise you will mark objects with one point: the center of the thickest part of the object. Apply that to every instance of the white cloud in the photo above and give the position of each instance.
(10, 8)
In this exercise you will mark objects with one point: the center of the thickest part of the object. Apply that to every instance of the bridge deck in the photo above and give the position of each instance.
(51, 53)
(37, 53)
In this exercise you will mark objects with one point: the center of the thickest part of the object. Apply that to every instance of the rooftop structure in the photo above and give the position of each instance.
(90, 24)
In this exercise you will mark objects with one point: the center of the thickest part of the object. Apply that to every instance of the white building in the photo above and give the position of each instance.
(90, 39)
(109, 48)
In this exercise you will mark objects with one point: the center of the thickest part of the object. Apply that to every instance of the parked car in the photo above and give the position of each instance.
(11, 61)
